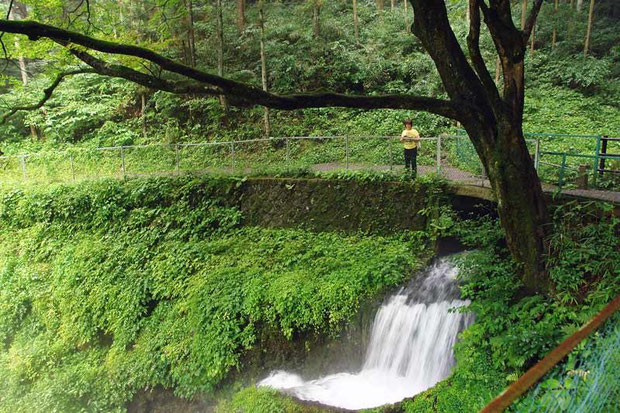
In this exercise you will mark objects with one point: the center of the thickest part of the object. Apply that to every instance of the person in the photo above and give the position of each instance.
(411, 142)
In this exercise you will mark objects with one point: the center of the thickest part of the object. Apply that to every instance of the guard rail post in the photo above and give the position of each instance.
(391, 153)
(176, 158)
(72, 167)
(346, 148)
(563, 166)
(123, 161)
(232, 155)
(439, 154)
(23, 163)
(597, 151)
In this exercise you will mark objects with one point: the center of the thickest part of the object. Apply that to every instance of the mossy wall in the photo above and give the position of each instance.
(321, 204)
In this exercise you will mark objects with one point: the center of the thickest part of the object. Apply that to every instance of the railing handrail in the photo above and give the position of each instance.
(536, 372)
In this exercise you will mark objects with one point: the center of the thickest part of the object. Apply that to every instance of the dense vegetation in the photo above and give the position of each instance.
(110, 287)
(567, 92)
(512, 330)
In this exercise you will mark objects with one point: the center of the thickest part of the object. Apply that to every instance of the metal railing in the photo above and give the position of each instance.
(452, 156)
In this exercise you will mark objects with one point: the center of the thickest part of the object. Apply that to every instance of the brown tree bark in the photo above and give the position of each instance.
(380, 5)
(191, 40)
(316, 10)
(220, 50)
(586, 45)
(241, 21)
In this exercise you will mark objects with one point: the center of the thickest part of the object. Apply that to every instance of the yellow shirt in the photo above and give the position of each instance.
(411, 133)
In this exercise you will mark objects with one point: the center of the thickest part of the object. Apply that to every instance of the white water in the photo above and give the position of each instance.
(410, 349)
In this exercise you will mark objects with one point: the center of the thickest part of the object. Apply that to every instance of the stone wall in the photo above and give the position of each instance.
(322, 204)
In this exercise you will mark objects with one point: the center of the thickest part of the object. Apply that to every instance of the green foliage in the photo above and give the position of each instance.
(110, 287)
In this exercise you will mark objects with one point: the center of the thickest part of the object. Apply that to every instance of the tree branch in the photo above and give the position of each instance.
(531, 20)
(241, 92)
(473, 44)
(47, 93)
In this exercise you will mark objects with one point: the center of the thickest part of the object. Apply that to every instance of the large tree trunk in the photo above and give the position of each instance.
(520, 200)
(494, 122)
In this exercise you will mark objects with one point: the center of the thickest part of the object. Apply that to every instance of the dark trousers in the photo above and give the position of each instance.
(411, 156)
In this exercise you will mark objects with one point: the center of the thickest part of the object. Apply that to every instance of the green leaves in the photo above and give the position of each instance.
(110, 287)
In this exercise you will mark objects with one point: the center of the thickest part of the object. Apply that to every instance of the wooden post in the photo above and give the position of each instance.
(601, 165)
(597, 152)
(582, 177)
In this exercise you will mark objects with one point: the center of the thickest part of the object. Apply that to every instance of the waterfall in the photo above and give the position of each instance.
(410, 348)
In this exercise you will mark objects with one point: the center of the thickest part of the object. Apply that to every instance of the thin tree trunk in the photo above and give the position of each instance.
(579, 5)
(355, 22)
(316, 10)
(380, 5)
(241, 21)
(23, 68)
(589, 31)
(220, 50)
(523, 13)
(392, 5)
(555, 32)
(191, 41)
(407, 26)
(263, 65)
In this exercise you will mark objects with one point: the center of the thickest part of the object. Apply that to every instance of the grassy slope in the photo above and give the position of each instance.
(109, 287)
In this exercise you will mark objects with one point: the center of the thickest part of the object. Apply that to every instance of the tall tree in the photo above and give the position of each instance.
(554, 37)
(220, 49)
(316, 11)
(586, 45)
(241, 21)
(356, 31)
(191, 39)
(19, 11)
(492, 116)
(263, 66)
